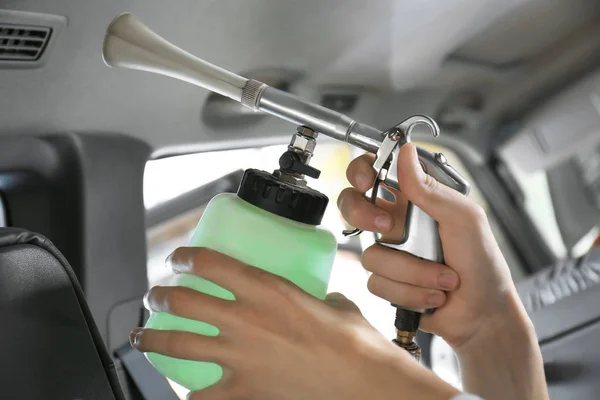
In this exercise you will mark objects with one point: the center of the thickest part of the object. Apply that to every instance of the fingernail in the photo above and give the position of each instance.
(383, 222)
(435, 299)
(145, 301)
(168, 260)
(448, 281)
(134, 336)
(363, 182)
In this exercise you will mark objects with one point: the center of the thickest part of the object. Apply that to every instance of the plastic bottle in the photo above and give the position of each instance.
(270, 224)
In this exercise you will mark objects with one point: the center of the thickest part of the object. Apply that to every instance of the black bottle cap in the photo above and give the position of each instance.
(301, 204)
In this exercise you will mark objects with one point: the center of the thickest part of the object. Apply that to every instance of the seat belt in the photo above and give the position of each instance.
(146, 378)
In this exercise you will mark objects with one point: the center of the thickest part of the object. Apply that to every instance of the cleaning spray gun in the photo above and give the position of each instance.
(130, 44)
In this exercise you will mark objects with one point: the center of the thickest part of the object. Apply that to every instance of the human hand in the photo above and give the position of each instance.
(277, 342)
(473, 292)
(478, 310)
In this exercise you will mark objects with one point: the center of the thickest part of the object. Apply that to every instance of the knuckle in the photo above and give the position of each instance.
(277, 284)
(172, 343)
(393, 293)
(269, 281)
(425, 280)
(423, 299)
(261, 275)
(204, 260)
(430, 185)
(430, 277)
(198, 259)
(175, 300)
(225, 351)
(239, 315)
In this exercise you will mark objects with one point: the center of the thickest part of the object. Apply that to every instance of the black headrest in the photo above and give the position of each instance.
(50, 347)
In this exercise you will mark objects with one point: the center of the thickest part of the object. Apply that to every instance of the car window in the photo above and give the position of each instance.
(542, 207)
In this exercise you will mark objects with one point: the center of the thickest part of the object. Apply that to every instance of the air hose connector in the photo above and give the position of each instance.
(407, 324)
(405, 340)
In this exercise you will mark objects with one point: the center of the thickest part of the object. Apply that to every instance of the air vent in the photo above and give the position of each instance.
(27, 39)
(22, 43)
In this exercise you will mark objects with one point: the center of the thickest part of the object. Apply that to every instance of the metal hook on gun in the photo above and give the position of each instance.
(393, 139)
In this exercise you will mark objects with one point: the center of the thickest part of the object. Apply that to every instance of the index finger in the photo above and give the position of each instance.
(218, 268)
(243, 280)
(360, 172)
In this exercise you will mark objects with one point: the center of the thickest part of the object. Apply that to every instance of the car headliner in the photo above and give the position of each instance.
(402, 57)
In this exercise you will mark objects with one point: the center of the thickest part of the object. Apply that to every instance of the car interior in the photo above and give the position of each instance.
(105, 171)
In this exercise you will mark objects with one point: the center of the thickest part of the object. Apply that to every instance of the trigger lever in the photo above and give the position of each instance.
(382, 160)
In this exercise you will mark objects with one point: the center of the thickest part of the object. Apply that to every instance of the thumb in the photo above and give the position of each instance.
(444, 204)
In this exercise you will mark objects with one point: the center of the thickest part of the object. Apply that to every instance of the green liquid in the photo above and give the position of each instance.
(301, 253)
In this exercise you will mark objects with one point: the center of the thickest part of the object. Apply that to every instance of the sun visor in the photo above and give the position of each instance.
(563, 127)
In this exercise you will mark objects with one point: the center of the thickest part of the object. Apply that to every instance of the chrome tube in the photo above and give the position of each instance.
(323, 120)
(128, 43)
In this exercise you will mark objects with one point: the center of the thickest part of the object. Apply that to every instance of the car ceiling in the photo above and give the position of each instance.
(400, 57)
